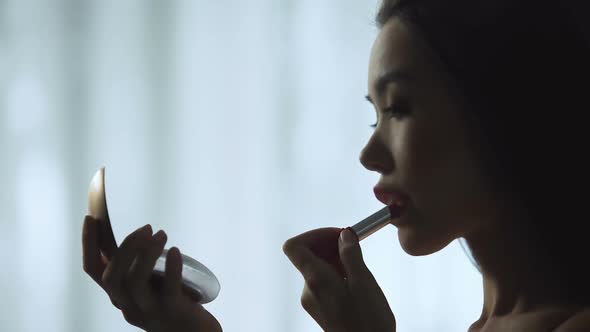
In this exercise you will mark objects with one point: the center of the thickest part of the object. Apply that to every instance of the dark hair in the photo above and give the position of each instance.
(523, 67)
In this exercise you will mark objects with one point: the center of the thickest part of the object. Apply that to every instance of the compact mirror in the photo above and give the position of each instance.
(198, 281)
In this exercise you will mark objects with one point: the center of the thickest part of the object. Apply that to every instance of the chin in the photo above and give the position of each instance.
(418, 243)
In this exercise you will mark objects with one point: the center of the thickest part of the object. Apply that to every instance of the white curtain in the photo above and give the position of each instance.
(232, 125)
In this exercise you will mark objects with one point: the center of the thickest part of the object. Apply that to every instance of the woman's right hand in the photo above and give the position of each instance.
(125, 273)
(340, 296)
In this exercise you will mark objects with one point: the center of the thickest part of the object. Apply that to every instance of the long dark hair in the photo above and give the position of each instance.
(524, 67)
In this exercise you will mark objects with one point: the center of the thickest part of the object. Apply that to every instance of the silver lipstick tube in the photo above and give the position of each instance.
(372, 223)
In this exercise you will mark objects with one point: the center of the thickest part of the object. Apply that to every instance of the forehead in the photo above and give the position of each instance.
(396, 48)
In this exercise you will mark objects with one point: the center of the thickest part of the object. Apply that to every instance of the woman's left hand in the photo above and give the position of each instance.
(350, 302)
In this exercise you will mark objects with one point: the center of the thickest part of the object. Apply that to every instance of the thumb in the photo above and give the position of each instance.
(351, 255)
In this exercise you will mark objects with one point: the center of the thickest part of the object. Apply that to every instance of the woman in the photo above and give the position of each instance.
(478, 135)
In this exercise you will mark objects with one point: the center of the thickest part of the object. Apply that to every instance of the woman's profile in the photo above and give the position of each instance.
(479, 134)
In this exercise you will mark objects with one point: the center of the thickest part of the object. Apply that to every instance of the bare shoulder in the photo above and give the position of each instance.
(557, 319)
(580, 321)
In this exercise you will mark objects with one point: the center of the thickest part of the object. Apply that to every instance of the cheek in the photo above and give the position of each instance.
(441, 176)
(422, 159)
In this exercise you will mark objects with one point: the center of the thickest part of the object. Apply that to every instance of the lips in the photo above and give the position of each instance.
(394, 199)
(390, 197)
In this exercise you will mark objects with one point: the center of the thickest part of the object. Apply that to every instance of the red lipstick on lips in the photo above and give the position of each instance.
(394, 199)
(389, 197)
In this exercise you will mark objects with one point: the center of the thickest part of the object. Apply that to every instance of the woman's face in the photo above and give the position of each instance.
(421, 144)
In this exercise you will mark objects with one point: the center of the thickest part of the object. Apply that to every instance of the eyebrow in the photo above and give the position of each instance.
(393, 76)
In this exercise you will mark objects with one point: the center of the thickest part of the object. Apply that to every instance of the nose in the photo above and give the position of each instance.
(376, 156)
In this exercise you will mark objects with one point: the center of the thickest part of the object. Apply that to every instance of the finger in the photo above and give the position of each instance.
(351, 257)
(206, 321)
(313, 308)
(93, 264)
(116, 272)
(307, 263)
(300, 247)
(323, 242)
(173, 276)
(321, 278)
(311, 238)
(363, 288)
(107, 242)
(331, 316)
(140, 273)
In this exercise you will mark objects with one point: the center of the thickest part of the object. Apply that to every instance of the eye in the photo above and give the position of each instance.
(398, 111)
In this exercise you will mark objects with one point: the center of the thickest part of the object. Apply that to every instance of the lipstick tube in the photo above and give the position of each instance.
(372, 223)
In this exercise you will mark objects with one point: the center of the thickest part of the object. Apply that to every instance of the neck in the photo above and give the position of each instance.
(515, 278)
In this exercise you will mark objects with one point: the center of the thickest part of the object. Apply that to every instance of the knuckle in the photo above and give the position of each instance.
(307, 301)
(87, 268)
(110, 285)
(288, 246)
(131, 317)
(115, 303)
(107, 279)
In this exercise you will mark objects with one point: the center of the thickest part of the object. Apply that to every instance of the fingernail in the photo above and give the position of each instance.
(346, 236)
(160, 236)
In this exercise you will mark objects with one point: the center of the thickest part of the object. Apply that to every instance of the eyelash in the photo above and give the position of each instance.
(393, 110)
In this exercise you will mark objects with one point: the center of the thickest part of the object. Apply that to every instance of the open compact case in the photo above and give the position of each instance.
(198, 281)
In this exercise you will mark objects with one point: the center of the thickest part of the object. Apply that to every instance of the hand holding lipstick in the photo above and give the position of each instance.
(347, 300)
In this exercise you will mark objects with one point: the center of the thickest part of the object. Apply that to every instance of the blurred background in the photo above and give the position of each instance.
(233, 125)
